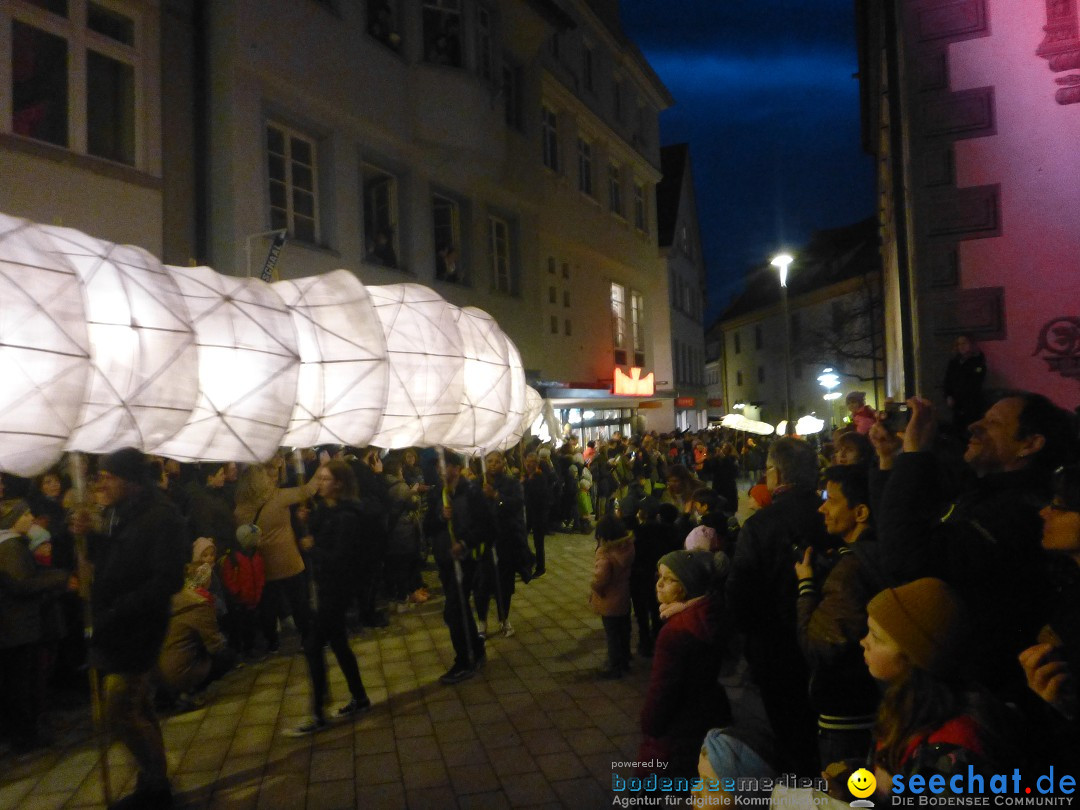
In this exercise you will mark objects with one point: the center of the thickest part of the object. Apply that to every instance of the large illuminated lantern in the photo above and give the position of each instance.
(102, 346)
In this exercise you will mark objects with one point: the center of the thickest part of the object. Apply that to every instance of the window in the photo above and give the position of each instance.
(566, 327)
(511, 87)
(442, 32)
(485, 42)
(758, 339)
(380, 215)
(554, 325)
(738, 378)
(566, 270)
(446, 230)
(684, 242)
(499, 232)
(554, 42)
(549, 132)
(74, 85)
(553, 295)
(637, 326)
(616, 98)
(566, 298)
(761, 374)
(618, 321)
(641, 135)
(551, 265)
(615, 189)
(639, 206)
(587, 67)
(584, 163)
(293, 175)
(382, 24)
(738, 344)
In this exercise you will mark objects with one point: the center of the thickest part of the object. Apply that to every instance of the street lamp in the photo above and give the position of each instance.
(782, 262)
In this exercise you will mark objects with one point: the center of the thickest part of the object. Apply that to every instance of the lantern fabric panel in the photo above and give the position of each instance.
(426, 364)
(248, 369)
(487, 378)
(343, 367)
(144, 364)
(515, 411)
(44, 349)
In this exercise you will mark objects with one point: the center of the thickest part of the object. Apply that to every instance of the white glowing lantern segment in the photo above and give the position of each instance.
(534, 405)
(248, 369)
(44, 349)
(343, 369)
(487, 385)
(511, 432)
(426, 362)
(143, 358)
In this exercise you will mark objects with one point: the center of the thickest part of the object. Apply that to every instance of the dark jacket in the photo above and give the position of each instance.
(467, 521)
(25, 591)
(404, 518)
(986, 545)
(138, 565)
(963, 382)
(337, 554)
(537, 499)
(684, 699)
(831, 623)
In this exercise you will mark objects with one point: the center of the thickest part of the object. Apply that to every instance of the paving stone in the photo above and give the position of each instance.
(377, 769)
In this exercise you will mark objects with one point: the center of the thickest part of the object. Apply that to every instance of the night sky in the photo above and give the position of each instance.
(765, 94)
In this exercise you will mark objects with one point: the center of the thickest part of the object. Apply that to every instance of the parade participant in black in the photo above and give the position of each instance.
(374, 534)
(963, 384)
(537, 503)
(139, 559)
(453, 522)
(335, 526)
(761, 592)
(506, 550)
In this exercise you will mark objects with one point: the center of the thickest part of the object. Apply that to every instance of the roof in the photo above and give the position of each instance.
(669, 190)
(831, 256)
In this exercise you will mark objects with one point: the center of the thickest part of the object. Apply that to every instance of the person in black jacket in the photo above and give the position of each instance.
(506, 542)
(452, 522)
(335, 527)
(537, 503)
(138, 565)
(963, 384)
(761, 592)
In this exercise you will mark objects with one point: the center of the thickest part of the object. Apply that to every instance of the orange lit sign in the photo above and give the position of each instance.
(633, 385)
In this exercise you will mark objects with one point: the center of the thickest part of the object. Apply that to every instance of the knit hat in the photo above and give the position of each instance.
(201, 545)
(11, 511)
(128, 464)
(702, 538)
(247, 535)
(927, 621)
(693, 569)
(761, 494)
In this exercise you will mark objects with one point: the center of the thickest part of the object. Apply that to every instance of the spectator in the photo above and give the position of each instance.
(863, 416)
(610, 592)
(963, 384)
(243, 572)
(536, 486)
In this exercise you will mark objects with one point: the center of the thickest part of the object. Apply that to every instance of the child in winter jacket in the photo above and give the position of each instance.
(244, 576)
(610, 595)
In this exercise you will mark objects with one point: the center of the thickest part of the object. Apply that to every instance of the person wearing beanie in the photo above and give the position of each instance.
(655, 534)
(609, 592)
(702, 538)
(27, 589)
(138, 566)
(684, 698)
(931, 719)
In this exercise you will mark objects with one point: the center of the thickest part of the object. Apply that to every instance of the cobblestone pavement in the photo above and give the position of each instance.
(535, 729)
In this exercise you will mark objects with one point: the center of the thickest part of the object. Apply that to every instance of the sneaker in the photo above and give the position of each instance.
(312, 726)
(354, 707)
(506, 629)
(457, 674)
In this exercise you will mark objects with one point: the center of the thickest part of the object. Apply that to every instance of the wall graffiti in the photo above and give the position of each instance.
(1059, 340)
(1061, 48)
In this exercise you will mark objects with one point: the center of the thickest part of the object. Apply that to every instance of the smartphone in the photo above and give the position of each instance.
(897, 418)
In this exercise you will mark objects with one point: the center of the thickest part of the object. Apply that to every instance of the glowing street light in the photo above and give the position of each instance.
(782, 261)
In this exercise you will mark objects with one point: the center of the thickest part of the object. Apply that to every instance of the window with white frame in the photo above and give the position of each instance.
(549, 133)
(639, 206)
(380, 215)
(442, 32)
(585, 179)
(499, 247)
(292, 170)
(618, 321)
(615, 189)
(485, 42)
(637, 326)
(78, 74)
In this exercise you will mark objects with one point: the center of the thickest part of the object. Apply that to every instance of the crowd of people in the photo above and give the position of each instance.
(903, 602)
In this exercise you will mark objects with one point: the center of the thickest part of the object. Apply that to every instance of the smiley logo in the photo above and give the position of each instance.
(861, 783)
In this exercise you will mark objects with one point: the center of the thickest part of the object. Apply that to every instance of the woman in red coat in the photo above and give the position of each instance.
(684, 699)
